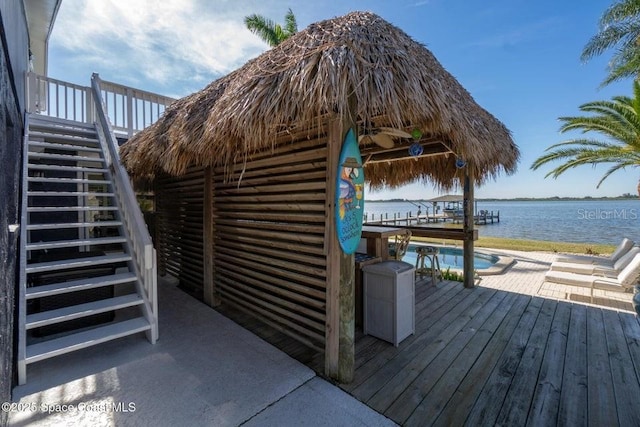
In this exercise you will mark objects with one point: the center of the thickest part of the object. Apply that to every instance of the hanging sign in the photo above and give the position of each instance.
(349, 195)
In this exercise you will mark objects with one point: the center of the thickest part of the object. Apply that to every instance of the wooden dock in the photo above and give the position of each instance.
(409, 219)
(490, 356)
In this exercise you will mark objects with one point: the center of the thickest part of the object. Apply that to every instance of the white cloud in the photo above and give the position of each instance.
(156, 41)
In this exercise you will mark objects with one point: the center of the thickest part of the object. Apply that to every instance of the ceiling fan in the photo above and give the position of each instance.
(383, 136)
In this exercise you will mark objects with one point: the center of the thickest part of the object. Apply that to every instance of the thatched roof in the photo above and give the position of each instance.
(394, 81)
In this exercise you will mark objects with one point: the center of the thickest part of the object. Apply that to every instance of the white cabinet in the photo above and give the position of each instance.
(389, 300)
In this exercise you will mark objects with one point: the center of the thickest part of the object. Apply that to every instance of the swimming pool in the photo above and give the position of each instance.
(451, 257)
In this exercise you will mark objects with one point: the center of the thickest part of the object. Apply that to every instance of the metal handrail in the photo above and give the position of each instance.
(144, 253)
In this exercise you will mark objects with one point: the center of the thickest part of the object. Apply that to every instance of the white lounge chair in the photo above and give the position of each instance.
(624, 247)
(627, 278)
(597, 269)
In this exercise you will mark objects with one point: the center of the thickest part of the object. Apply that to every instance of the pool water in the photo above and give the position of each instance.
(451, 257)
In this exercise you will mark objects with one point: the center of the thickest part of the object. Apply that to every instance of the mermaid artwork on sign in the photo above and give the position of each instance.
(350, 195)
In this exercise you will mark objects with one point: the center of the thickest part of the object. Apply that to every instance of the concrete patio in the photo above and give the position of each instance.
(204, 370)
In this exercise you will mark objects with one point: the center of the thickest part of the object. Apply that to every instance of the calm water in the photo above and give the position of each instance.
(580, 221)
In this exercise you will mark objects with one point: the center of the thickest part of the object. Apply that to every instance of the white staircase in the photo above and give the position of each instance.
(82, 280)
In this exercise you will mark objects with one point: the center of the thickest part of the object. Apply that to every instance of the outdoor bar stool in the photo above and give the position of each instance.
(430, 253)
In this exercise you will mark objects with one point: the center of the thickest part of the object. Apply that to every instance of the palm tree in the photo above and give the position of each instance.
(269, 31)
(617, 120)
(619, 29)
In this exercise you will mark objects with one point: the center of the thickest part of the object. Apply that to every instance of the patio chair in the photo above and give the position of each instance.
(597, 269)
(624, 247)
(625, 281)
(399, 248)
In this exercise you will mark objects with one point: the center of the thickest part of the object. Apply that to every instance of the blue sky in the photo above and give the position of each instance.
(518, 59)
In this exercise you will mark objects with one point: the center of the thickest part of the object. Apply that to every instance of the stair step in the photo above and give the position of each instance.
(79, 285)
(69, 343)
(34, 166)
(69, 147)
(75, 243)
(74, 225)
(71, 208)
(49, 156)
(69, 128)
(89, 142)
(76, 263)
(68, 194)
(44, 120)
(82, 310)
(68, 180)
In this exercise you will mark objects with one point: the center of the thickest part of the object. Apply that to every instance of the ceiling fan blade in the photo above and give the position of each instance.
(365, 139)
(383, 140)
(395, 132)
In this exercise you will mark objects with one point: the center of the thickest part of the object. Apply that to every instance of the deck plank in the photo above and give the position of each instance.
(428, 330)
(631, 330)
(601, 407)
(455, 411)
(406, 390)
(546, 398)
(456, 365)
(489, 403)
(515, 408)
(428, 325)
(573, 394)
(371, 346)
(625, 381)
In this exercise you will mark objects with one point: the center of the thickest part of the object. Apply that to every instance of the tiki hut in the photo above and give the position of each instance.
(244, 171)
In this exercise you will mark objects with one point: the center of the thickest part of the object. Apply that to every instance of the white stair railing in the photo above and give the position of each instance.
(56, 98)
(130, 110)
(144, 254)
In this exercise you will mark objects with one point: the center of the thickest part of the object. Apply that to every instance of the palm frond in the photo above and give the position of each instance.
(604, 40)
(613, 169)
(263, 27)
(604, 126)
(619, 28)
(290, 24)
(587, 143)
(619, 11)
(617, 119)
(620, 69)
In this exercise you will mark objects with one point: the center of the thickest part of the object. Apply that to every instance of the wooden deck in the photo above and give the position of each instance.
(496, 356)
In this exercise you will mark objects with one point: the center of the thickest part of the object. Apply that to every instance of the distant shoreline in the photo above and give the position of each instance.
(516, 199)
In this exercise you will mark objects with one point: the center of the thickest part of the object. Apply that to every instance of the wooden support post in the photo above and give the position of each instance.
(340, 294)
(160, 218)
(210, 295)
(334, 257)
(467, 206)
(346, 358)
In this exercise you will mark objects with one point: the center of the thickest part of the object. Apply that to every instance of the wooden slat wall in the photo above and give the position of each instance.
(179, 203)
(269, 248)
